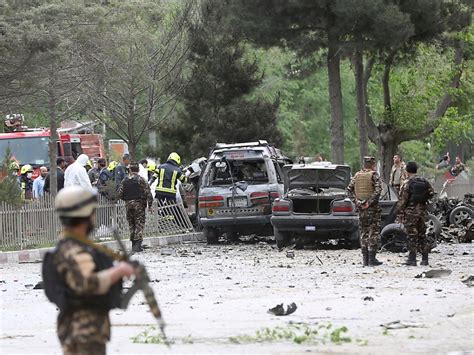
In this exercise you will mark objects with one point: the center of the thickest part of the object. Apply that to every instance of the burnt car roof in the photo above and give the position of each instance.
(321, 174)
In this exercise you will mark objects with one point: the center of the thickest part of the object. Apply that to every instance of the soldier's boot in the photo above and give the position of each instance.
(424, 259)
(365, 257)
(372, 259)
(411, 260)
(136, 246)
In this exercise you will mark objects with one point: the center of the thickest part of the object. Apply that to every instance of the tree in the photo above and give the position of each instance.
(45, 38)
(215, 106)
(139, 61)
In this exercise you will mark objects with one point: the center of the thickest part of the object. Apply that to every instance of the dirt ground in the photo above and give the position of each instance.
(215, 298)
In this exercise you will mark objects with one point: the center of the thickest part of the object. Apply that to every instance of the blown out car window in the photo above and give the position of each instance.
(250, 171)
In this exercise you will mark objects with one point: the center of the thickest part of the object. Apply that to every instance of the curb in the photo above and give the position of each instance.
(33, 255)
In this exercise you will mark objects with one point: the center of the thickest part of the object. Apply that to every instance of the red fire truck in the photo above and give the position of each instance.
(30, 146)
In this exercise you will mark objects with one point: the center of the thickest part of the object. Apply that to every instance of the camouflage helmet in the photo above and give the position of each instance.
(76, 202)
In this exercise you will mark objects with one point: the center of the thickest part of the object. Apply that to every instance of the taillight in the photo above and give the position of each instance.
(281, 206)
(274, 195)
(343, 206)
(260, 198)
(211, 201)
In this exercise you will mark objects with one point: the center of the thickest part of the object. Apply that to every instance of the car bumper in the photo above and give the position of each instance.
(238, 221)
(308, 224)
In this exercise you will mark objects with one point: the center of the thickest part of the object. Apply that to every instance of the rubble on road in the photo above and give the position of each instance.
(279, 309)
(402, 325)
(432, 274)
(468, 281)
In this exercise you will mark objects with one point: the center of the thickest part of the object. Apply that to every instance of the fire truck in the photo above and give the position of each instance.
(31, 146)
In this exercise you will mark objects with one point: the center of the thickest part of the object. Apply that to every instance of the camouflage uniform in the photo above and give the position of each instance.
(81, 330)
(136, 209)
(369, 218)
(413, 215)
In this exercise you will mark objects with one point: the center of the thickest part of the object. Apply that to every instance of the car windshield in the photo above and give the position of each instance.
(31, 150)
(224, 172)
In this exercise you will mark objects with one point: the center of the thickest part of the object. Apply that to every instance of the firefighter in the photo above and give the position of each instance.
(168, 175)
(14, 169)
(26, 182)
(151, 168)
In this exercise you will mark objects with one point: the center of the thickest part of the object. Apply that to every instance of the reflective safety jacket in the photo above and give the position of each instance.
(168, 175)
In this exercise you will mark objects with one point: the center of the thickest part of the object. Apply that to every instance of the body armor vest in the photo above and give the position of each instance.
(66, 299)
(364, 186)
(418, 191)
(131, 189)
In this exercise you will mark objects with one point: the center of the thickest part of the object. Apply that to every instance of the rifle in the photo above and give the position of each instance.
(142, 282)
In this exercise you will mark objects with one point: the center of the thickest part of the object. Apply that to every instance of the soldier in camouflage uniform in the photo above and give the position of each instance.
(364, 191)
(135, 191)
(79, 276)
(412, 210)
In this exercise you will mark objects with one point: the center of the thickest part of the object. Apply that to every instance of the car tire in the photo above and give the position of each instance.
(459, 214)
(434, 224)
(211, 235)
(282, 238)
(393, 237)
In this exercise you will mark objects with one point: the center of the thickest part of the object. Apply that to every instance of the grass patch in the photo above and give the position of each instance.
(151, 335)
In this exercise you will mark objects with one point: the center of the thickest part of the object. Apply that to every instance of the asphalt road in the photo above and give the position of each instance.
(215, 299)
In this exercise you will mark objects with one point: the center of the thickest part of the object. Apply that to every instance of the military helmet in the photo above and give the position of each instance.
(112, 166)
(76, 202)
(175, 157)
(369, 159)
(26, 168)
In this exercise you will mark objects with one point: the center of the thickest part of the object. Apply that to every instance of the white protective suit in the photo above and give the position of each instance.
(143, 172)
(76, 174)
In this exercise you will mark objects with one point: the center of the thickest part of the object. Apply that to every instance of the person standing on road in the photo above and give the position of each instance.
(134, 190)
(38, 184)
(76, 174)
(121, 171)
(79, 276)
(61, 166)
(412, 210)
(364, 190)
(398, 173)
(168, 175)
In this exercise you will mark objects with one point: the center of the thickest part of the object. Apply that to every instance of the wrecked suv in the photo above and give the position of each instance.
(315, 203)
(237, 189)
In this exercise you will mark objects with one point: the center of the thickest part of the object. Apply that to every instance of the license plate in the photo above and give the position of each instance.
(310, 228)
(237, 202)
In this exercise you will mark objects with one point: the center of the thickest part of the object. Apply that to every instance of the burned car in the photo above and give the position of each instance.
(237, 189)
(315, 204)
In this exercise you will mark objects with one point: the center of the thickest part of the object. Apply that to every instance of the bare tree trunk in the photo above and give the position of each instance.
(388, 146)
(53, 139)
(335, 100)
(358, 67)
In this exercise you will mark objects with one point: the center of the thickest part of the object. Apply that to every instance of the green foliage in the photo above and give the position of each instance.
(10, 191)
(214, 104)
(299, 333)
(150, 335)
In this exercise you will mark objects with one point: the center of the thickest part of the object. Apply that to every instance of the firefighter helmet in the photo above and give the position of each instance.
(175, 157)
(26, 168)
(151, 166)
(112, 166)
(76, 202)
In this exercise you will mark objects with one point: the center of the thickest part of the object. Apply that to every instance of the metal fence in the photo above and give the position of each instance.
(36, 224)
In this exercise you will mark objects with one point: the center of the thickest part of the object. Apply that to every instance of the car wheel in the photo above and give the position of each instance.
(394, 238)
(211, 235)
(459, 214)
(282, 238)
(433, 225)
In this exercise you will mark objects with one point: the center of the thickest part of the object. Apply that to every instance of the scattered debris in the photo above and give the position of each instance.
(468, 281)
(368, 298)
(435, 273)
(279, 310)
(29, 286)
(37, 261)
(168, 252)
(290, 254)
(397, 324)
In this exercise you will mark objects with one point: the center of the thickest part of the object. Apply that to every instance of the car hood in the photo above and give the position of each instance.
(338, 178)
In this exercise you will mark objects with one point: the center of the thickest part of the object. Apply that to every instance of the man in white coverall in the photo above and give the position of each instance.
(76, 174)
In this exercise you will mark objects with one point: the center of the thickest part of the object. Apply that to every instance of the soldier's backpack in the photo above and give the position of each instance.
(418, 190)
(64, 298)
(131, 189)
